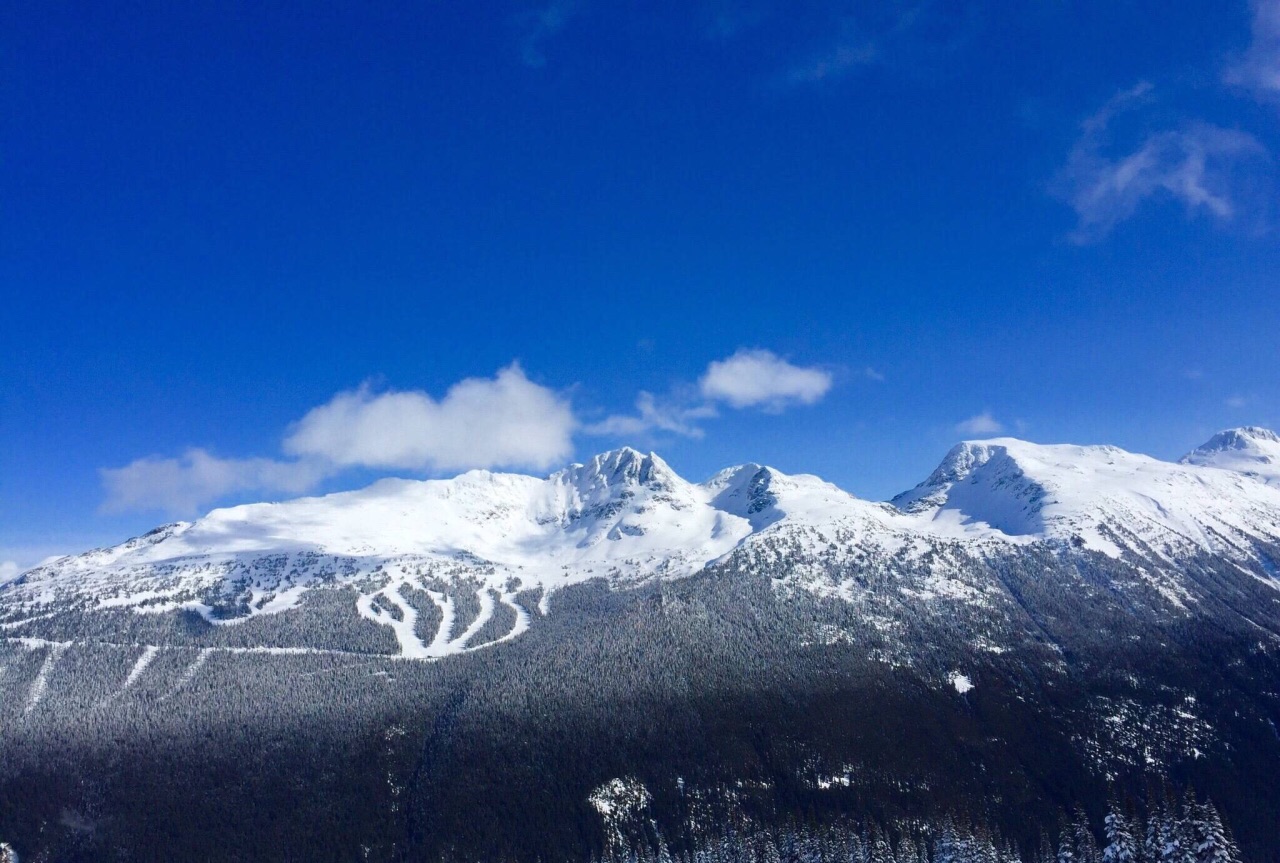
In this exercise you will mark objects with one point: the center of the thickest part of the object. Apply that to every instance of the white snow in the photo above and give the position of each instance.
(1252, 451)
(1099, 497)
(190, 673)
(961, 682)
(148, 654)
(619, 798)
(627, 517)
(41, 682)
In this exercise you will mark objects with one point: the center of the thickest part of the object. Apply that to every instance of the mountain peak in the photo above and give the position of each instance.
(745, 491)
(1243, 437)
(1250, 450)
(619, 468)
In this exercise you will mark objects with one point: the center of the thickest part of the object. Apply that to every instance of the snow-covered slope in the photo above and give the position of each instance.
(1097, 497)
(1251, 450)
(422, 556)
(623, 513)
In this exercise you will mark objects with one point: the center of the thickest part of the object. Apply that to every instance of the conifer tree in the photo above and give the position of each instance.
(1066, 842)
(1086, 846)
(1121, 846)
(1212, 842)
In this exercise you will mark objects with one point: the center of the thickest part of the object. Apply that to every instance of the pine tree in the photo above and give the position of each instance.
(1212, 843)
(1154, 840)
(879, 850)
(1182, 847)
(1086, 846)
(854, 852)
(1044, 852)
(947, 847)
(1121, 846)
(1066, 842)
(907, 851)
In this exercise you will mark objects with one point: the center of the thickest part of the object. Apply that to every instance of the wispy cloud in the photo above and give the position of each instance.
(1236, 401)
(981, 424)
(908, 34)
(182, 485)
(1258, 69)
(654, 415)
(1194, 165)
(539, 25)
(9, 570)
(750, 378)
(873, 375)
(504, 421)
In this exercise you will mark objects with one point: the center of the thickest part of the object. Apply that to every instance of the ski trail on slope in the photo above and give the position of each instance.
(486, 611)
(190, 673)
(41, 684)
(405, 629)
(517, 629)
(440, 645)
(148, 654)
(14, 624)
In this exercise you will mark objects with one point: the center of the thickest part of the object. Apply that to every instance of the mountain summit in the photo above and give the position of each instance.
(1250, 450)
(1097, 497)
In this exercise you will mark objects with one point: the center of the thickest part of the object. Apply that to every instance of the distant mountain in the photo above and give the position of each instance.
(1028, 626)
(1252, 451)
(1097, 497)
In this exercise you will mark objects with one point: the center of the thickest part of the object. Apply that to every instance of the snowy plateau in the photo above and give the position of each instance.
(449, 566)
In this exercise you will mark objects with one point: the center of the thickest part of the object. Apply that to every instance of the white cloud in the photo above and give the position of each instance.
(506, 421)
(1259, 69)
(760, 378)
(873, 375)
(1237, 401)
(540, 25)
(1193, 165)
(750, 378)
(982, 424)
(183, 485)
(9, 570)
(653, 415)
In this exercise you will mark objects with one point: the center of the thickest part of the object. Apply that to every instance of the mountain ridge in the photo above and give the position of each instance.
(627, 517)
(605, 486)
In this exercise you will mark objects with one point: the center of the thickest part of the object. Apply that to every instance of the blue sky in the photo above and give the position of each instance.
(252, 252)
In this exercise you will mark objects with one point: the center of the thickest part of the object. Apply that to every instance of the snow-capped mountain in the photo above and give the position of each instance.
(417, 553)
(1250, 450)
(1029, 623)
(1097, 497)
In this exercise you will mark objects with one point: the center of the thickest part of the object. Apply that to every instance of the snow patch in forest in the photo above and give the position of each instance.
(619, 798)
